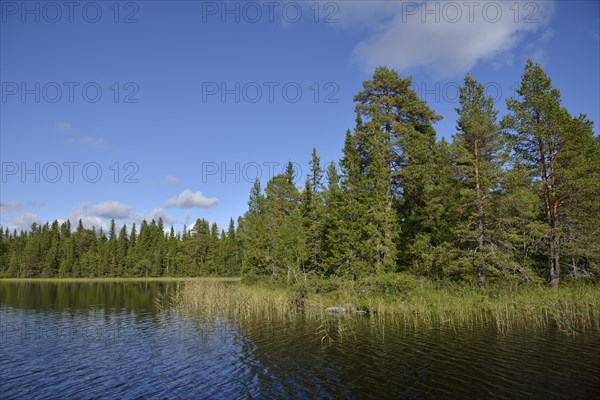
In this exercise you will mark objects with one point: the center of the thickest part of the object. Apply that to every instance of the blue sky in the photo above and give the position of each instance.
(156, 108)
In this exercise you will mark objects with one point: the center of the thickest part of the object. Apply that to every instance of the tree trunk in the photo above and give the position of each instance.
(554, 261)
(480, 223)
(551, 217)
(481, 275)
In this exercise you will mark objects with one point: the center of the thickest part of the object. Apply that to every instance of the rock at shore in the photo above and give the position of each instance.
(335, 310)
(346, 309)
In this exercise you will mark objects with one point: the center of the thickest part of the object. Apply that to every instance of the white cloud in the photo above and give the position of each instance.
(89, 140)
(535, 49)
(93, 142)
(363, 14)
(82, 212)
(11, 206)
(547, 35)
(110, 209)
(64, 126)
(171, 180)
(447, 37)
(99, 216)
(189, 199)
(155, 214)
(24, 221)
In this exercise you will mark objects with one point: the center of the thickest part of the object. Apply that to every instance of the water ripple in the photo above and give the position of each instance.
(134, 352)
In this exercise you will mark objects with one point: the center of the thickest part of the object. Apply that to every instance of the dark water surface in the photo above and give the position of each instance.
(109, 340)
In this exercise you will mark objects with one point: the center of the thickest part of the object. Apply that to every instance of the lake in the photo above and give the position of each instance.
(110, 339)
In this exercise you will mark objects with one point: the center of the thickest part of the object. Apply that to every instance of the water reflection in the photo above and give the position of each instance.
(73, 340)
(137, 296)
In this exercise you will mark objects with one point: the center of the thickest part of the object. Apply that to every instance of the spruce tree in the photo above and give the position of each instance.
(232, 260)
(346, 215)
(113, 260)
(282, 201)
(257, 258)
(122, 250)
(312, 215)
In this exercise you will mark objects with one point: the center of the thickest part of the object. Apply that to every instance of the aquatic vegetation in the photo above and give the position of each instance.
(416, 304)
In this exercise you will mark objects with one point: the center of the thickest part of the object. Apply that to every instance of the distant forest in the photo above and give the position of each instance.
(511, 198)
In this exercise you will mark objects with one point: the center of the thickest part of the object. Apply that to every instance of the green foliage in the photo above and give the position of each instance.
(558, 151)
(53, 251)
(313, 209)
(396, 147)
(479, 155)
(391, 284)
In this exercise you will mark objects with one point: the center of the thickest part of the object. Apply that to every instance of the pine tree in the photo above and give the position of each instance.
(404, 123)
(480, 155)
(518, 231)
(539, 129)
(578, 182)
(401, 123)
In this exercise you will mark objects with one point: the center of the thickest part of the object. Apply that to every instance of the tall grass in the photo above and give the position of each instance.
(570, 309)
(408, 303)
(233, 299)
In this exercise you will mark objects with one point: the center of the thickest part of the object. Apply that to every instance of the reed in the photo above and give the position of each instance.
(570, 308)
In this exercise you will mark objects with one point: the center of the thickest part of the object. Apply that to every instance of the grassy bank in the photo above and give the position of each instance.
(405, 301)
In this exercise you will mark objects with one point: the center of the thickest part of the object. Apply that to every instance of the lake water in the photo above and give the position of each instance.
(101, 340)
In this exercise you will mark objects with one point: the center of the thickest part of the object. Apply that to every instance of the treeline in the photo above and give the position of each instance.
(54, 250)
(516, 197)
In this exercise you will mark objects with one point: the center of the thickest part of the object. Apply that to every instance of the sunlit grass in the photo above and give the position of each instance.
(570, 308)
(215, 297)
